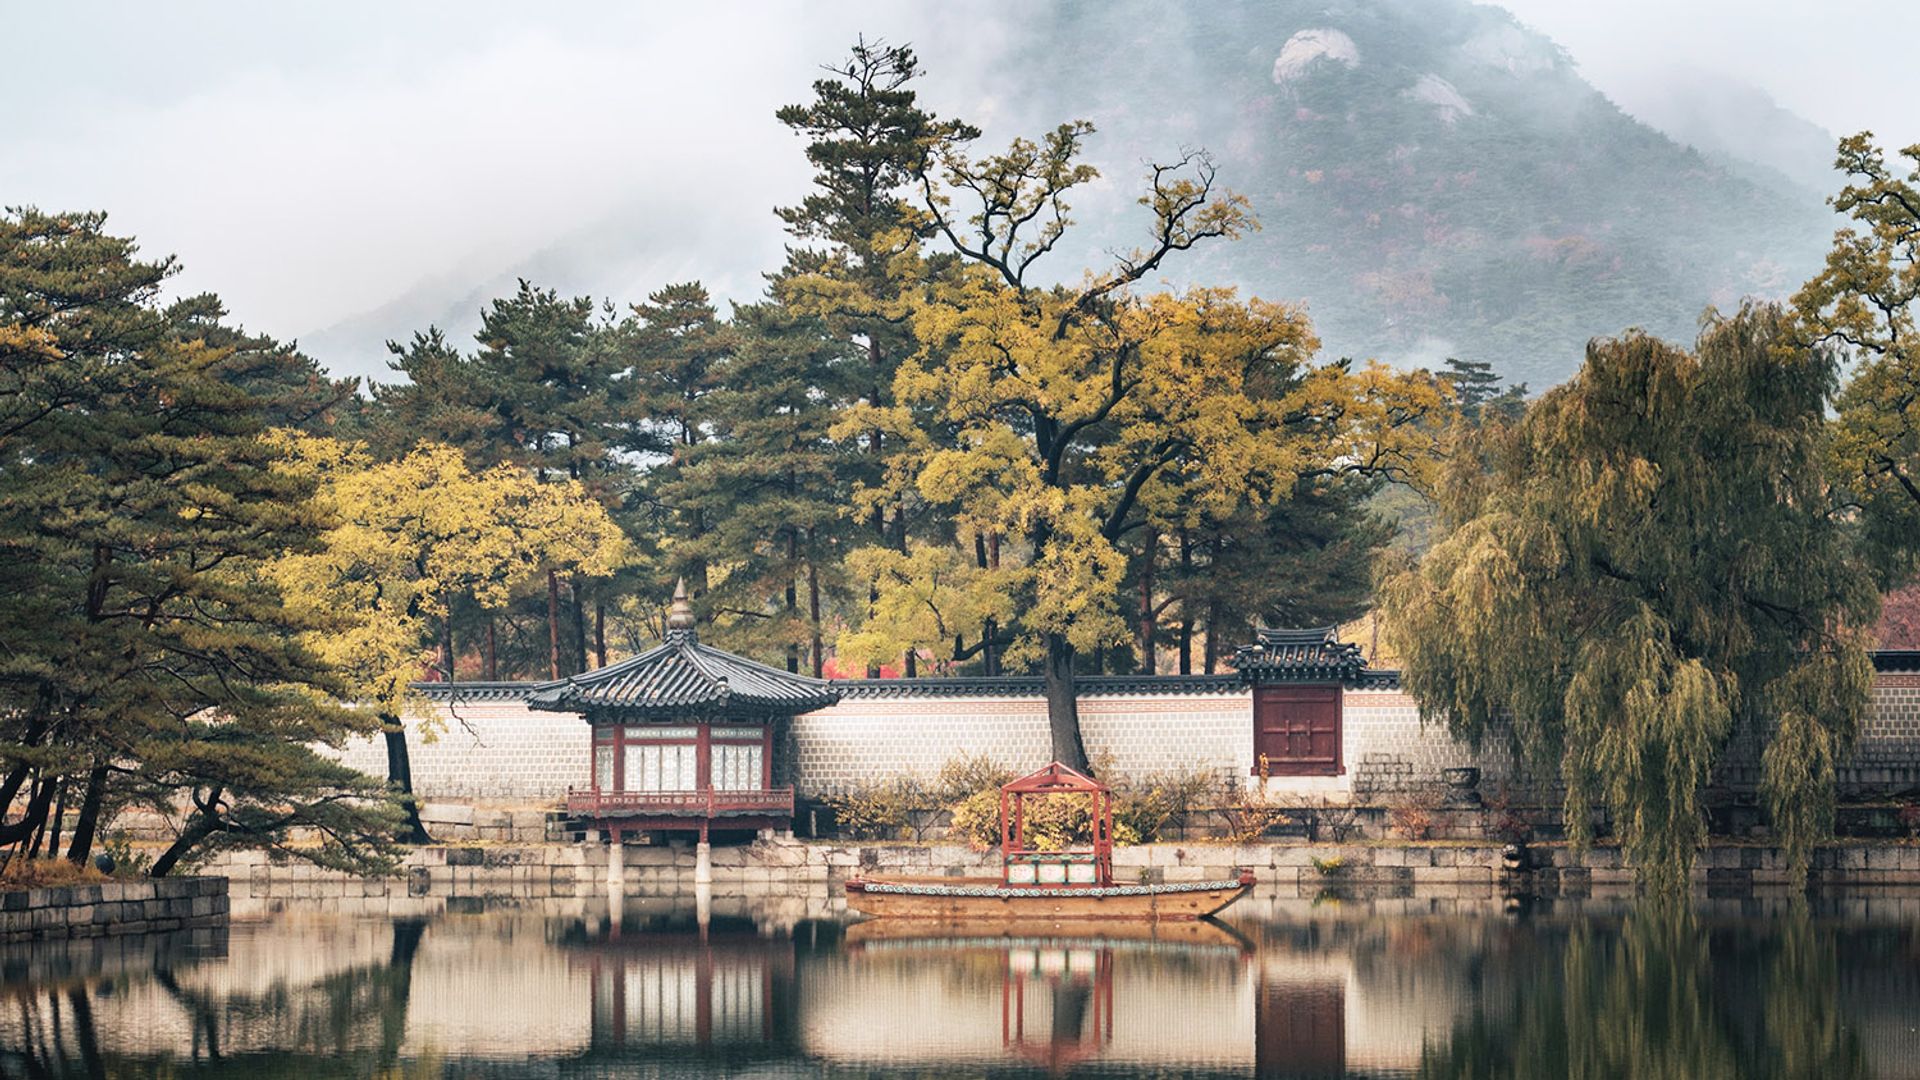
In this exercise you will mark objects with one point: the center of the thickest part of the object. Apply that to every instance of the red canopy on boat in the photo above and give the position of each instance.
(1015, 849)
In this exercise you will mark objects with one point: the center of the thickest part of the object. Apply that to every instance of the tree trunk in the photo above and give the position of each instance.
(89, 821)
(41, 785)
(1213, 635)
(493, 650)
(813, 619)
(1147, 619)
(553, 624)
(199, 827)
(793, 596)
(400, 775)
(59, 816)
(30, 820)
(1063, 705)
(446, 645)
(599, 630)
(989, 627)
(578, 587)
(36, 730)
(1186, 603)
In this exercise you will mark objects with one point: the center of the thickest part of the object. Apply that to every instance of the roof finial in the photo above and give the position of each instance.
(680, 615)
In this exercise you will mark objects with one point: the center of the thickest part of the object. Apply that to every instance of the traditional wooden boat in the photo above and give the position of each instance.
(1073, 884)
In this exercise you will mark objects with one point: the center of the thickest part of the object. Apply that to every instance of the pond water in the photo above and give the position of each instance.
(1286, 986)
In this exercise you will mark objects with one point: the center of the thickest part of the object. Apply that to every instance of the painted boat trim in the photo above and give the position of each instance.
(1065, 892)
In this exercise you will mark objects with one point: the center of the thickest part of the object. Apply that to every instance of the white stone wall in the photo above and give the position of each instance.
(866, 739)
(498, 750)
(488, 750)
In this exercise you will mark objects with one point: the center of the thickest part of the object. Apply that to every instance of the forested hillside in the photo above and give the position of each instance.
(1433, 178)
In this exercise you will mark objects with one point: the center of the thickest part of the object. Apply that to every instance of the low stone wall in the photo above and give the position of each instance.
(113, 907)
(785, 868)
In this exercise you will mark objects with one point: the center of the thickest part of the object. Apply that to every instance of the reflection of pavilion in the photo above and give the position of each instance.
(1059, 998)
(721, 988)
(1073, 989)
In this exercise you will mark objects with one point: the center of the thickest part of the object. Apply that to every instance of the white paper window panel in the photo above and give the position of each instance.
(656, 767)
(736, 768)
(738, 732)
(603, 768)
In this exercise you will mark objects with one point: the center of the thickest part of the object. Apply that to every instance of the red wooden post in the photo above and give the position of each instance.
(703, 764)
(619, 757)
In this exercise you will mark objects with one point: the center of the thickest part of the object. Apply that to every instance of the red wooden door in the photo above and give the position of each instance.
(1298, 729)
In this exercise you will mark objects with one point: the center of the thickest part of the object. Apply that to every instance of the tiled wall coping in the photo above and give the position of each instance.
(112, 907)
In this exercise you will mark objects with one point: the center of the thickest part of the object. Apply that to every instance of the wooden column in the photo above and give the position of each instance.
(703, 759)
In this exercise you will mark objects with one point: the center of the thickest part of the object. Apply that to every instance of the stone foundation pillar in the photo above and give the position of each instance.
(703, 863)
(616, 861)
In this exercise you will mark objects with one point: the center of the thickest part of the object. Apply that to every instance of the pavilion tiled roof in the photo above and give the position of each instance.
(1310, 654)
(682, 677)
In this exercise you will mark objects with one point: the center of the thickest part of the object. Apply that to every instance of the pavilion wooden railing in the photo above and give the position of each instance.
(711, 802)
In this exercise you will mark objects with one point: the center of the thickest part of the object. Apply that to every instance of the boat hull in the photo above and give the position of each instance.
(932, 900)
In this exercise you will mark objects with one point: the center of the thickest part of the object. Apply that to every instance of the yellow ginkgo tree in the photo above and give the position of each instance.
(408, 536)
(1056, 415)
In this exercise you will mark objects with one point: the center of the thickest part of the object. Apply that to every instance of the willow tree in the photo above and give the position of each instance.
(1053, 413)
(1645, 568)
(1863, 303)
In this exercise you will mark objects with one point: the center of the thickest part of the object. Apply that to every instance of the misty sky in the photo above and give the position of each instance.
(314, 162)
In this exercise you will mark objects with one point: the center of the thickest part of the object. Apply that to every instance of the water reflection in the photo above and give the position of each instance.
(1288, 988)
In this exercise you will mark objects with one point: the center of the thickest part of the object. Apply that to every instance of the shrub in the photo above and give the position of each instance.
(1338, 819)
(1054, 822)
(1412, 813)
(967, 775)
(876, 811)
(1148, 806)
(1248, 809)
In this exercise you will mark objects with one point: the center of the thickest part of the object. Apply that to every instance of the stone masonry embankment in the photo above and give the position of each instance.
(112, 907)
(788, 868)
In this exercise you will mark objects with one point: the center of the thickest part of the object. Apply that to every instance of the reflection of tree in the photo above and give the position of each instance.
(1653, 998)
(357, 1018)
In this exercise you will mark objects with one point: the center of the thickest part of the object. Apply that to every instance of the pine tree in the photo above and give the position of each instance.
(141, 500)
(870, 143)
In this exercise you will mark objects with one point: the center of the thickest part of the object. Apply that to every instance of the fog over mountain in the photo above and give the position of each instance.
(1434, 177)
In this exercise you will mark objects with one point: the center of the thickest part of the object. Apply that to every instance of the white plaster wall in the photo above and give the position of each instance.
(503, 751)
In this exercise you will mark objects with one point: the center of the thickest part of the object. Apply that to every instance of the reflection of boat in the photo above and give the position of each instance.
(956, 933)
(1035, 883)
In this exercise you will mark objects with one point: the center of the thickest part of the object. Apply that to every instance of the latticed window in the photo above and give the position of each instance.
(736, 766)
(603, 768)
(1297, 730)
(662, 759)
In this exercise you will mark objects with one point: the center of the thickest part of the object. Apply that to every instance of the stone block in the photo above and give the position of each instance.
(446, 814)
(1424, 875)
